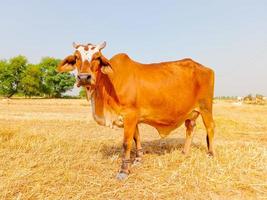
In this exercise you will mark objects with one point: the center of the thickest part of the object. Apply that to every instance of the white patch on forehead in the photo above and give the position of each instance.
(87, 55)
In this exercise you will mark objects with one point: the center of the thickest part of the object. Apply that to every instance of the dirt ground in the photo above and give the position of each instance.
(53, 149)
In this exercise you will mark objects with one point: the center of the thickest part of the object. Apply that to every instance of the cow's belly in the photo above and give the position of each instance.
(165, 126)
(165, 121)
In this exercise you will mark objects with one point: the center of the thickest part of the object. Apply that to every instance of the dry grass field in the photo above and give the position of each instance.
(52, 149)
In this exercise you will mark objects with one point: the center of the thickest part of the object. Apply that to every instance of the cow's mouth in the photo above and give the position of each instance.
(83, 83)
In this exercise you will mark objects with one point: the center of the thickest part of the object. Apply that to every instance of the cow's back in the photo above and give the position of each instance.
(170, 86)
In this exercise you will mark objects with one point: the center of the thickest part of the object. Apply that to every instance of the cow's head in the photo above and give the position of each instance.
(89, 62)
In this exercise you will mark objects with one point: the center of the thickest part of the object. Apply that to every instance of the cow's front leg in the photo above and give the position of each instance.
(130, 122)
(139, 151)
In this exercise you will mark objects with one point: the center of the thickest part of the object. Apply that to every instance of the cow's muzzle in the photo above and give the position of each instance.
(84, 79)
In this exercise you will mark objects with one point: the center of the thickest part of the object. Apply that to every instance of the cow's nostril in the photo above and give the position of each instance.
(88, 77)
(79, 77)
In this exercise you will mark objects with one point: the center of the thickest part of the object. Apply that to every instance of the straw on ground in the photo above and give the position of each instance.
(52, 149)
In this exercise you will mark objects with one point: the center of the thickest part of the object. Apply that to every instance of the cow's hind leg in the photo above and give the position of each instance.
(139, 151)
(209, 124)
(190, 124)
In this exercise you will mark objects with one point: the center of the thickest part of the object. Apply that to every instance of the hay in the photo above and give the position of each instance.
(54, 150)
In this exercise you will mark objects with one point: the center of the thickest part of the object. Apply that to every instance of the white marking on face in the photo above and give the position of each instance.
(87, 55)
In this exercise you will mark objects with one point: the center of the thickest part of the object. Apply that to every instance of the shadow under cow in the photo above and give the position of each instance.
(156, 147)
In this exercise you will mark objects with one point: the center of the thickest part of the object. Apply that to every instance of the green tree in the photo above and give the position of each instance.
(11, 73)
(3, 81)
(54, 83)
(31, 83)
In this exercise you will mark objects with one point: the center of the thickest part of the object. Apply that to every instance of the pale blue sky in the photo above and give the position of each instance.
(229, 36)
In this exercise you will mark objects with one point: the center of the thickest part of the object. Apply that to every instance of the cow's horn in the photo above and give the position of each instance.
(74, 45)
(102, 46)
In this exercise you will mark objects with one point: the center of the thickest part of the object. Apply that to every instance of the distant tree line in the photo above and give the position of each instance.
(19, 77)
(248, 97)
(225, 97)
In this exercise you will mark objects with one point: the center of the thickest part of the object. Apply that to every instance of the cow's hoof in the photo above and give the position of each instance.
(211, 154)
(121, 176)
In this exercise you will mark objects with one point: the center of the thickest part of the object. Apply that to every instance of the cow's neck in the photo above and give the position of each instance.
(104, 101)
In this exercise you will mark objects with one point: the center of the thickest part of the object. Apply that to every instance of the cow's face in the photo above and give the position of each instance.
(89, 62)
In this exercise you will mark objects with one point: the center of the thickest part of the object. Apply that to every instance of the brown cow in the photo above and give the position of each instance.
(126, 93)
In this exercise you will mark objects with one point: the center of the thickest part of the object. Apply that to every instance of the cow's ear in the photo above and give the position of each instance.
(68, 64)
(105, 65)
